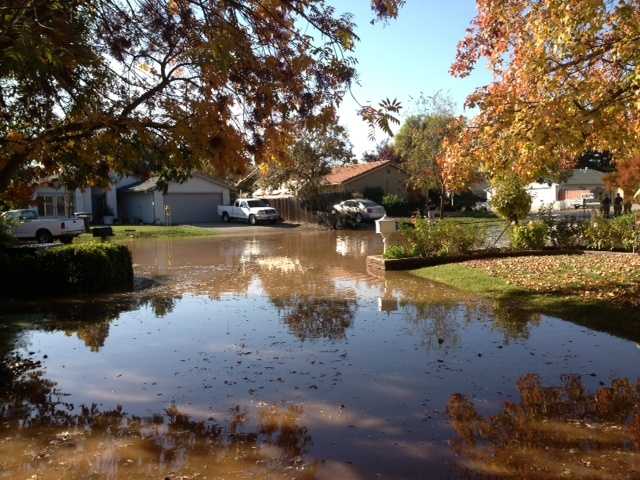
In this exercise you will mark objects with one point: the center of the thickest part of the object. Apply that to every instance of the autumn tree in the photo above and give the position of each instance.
(566, 79)
(89, 87)
(419, 144)
(384, 151)
(626, 177)
(312, 157)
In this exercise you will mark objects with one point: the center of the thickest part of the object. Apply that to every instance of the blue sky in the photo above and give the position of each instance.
(407, 56)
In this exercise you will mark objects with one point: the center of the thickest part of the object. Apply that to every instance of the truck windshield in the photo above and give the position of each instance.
(257, 203)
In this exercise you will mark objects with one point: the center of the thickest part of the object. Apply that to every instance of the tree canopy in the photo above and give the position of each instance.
(420, 142)
(566, 79)
(89, 87)
(626, 177)
(312, 157)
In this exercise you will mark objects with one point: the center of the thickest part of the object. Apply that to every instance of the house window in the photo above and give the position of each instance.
(55, 205)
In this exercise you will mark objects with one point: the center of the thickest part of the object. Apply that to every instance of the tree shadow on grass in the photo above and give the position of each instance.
(619, 320)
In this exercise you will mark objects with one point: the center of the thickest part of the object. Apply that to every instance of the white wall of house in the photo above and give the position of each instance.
(158, 207)
(199, 185)
(542, 195)
(139, 207)
(83, 200)
(195, 184)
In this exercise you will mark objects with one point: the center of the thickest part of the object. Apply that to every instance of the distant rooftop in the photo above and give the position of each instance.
(340, 175)
(585, 176)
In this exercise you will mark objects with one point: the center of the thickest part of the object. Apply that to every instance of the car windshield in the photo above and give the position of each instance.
(257, 203)
(368, 203)
(10, 216)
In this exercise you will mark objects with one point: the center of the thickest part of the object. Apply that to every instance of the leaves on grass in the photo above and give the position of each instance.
(611, 277)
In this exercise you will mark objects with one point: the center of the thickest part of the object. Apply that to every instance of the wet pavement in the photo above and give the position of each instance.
(279, 357)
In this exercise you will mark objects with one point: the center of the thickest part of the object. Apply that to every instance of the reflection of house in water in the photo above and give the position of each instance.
(387, 304)
(357, 246)
(251, 249)
(282, 264)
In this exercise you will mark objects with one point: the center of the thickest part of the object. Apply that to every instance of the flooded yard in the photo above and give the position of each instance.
(279, 357)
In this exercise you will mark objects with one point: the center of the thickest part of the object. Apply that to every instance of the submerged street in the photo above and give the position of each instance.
(278, 356)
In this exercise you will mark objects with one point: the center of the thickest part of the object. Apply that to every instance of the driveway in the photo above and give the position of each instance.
(238, 228)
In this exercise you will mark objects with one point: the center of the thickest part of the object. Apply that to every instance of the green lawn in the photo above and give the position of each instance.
(581, 288)
(123, 232)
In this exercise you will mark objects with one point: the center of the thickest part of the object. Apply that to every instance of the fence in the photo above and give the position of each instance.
(295, 210)
(291, 210)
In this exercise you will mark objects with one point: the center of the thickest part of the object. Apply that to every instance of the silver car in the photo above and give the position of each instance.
(360, 209)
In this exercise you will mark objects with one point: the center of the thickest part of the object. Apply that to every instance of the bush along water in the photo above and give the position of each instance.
(394, 205)
(529, 236)
(437, 238)
(85, 268)
(620, 233)
(510, 199)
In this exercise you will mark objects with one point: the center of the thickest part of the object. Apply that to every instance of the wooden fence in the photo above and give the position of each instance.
(291, 210)
(294, 210)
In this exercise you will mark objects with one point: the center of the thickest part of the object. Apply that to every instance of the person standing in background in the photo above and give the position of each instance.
(617, 205)
(606, 206)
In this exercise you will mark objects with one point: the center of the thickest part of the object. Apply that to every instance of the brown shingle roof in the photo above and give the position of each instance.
(345, 174)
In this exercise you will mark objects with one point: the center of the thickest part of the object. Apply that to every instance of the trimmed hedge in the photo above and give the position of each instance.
(84, 268)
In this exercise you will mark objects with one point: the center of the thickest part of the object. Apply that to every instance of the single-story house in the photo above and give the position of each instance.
(354, 179)
(581, 183)
(52, 199)
(133, 200)
(359, 177)
(194, 201)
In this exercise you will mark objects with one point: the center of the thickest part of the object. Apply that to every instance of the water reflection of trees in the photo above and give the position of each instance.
(436, 312)
(39, 430)
(89, 320)
(553, 432)
(311, 318)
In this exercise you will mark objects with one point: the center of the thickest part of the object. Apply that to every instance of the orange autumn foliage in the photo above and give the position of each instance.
(566, 79)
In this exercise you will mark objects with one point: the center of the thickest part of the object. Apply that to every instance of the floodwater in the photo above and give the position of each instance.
(280, 357)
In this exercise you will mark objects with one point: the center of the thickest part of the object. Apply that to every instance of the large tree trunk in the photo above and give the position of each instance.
(442, 194)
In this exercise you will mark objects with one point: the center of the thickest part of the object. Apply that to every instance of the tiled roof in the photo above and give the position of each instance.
(347, 173)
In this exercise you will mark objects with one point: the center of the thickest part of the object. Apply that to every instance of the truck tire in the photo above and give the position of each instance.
(225, 217)
(66, 239)
(252, 220)
(44, 236)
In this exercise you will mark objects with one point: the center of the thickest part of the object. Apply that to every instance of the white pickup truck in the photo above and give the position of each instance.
(250, 210)
(28, 226)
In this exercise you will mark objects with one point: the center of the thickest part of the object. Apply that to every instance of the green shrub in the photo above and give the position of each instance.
(443, 237)
(620, 233)
(510, 199)
(394, 205)
(6, 233)
(562, 232)
(395, 252)
(531, 236)
(84, 268)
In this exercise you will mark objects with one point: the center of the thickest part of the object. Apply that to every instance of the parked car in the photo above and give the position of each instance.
(360, 210)
(250, 210)
(482, 206)
(586, 202)
(28, 226)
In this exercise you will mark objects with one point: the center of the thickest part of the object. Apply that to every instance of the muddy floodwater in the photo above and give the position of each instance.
(278, 356)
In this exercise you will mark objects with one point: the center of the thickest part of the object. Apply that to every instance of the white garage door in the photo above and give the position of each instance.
(193, 207)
